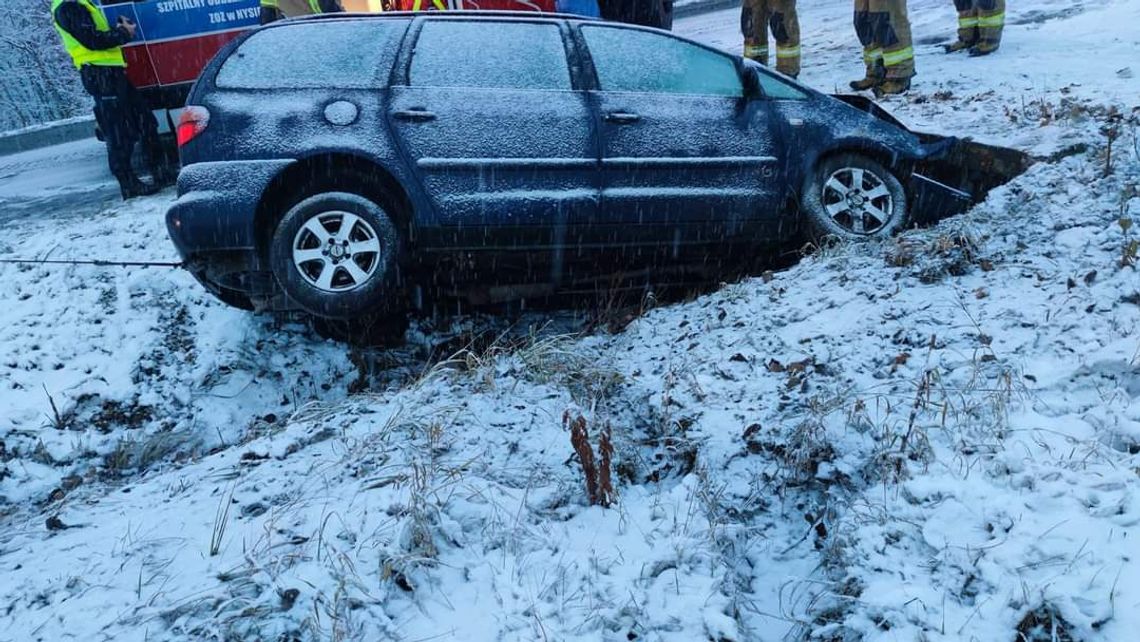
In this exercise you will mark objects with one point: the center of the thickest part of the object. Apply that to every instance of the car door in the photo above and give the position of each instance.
(503, 143)
(681, 145)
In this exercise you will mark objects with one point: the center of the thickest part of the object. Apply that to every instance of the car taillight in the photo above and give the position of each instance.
(192, 122)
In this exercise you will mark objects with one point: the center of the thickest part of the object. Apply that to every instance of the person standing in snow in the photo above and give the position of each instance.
(120, 110)
(884, 31)
(980, 23)
(756, 16)
(274, 10)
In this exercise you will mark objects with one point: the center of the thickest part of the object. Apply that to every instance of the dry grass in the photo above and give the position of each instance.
(221, 521)
(597, 472)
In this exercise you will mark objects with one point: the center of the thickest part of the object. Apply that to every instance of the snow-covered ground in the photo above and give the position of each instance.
(935, 438)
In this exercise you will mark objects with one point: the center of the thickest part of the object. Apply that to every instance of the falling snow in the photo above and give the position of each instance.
(934, 437)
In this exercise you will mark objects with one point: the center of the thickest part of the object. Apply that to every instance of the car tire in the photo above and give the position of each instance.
(334, 272)
(850, 197)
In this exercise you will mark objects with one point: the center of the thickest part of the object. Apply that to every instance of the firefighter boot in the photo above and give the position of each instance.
(131, 186)
(892, 86)
(982, 49)
(872, 79)
(957, 46)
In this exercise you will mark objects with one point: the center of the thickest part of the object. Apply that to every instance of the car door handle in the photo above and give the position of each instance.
(621, 118)
(414, 115)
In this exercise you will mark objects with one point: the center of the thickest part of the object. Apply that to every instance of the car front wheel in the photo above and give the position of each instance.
(335, 254)
(851, 197)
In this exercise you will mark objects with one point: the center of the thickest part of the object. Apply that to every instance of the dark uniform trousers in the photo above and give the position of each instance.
(884, 31)
(123, 117)
(756, 17)
(980, 22)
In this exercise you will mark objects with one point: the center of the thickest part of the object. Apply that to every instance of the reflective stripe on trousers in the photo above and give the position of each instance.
(780, 16)
(980, 21)
(884, 31)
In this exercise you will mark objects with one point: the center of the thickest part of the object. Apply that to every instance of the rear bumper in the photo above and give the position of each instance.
(217, 206)
(213, 225)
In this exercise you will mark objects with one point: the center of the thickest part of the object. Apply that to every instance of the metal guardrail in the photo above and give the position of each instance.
(698, 7)
(73, 129)
(46, 135)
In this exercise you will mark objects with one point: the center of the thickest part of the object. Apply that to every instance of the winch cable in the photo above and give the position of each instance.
(95, 262)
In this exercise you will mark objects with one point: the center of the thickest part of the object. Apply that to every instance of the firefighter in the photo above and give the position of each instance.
(120, 110)
(756, 16)
(884, 31)
(980, 23)
(273, 10)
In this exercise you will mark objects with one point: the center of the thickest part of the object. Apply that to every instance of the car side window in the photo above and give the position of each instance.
(508, 55)
(344, 54)
(643, 61)
(777, 89)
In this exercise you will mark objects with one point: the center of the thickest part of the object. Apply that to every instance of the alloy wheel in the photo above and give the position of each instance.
(858, 200)
(336, 251)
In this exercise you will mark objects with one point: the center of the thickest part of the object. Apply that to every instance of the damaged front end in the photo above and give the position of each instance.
(955, 173)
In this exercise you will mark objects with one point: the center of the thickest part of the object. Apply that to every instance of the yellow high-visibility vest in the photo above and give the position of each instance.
(81, 55)
(440, 5)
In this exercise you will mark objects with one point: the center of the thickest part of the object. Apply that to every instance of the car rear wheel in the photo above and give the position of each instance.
(851, 197)
(336, 255)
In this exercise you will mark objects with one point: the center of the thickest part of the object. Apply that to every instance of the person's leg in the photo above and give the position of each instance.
(146, 129)
(967, 25)
(991, 21)
(898, 49)
(872, 52)
(753, 25)
(785, 23)
(113, 116)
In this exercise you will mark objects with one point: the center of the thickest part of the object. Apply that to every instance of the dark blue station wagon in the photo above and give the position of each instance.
(511, 153)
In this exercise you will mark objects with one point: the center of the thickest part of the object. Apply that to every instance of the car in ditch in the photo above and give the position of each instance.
(497, 155)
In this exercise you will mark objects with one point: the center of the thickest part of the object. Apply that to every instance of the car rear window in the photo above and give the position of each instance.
(354, 54)
(513, 55)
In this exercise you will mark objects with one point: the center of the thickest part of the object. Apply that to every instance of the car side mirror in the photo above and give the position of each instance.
(750, 79)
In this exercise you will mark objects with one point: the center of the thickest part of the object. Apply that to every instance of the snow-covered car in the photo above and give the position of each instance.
(516, 152)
